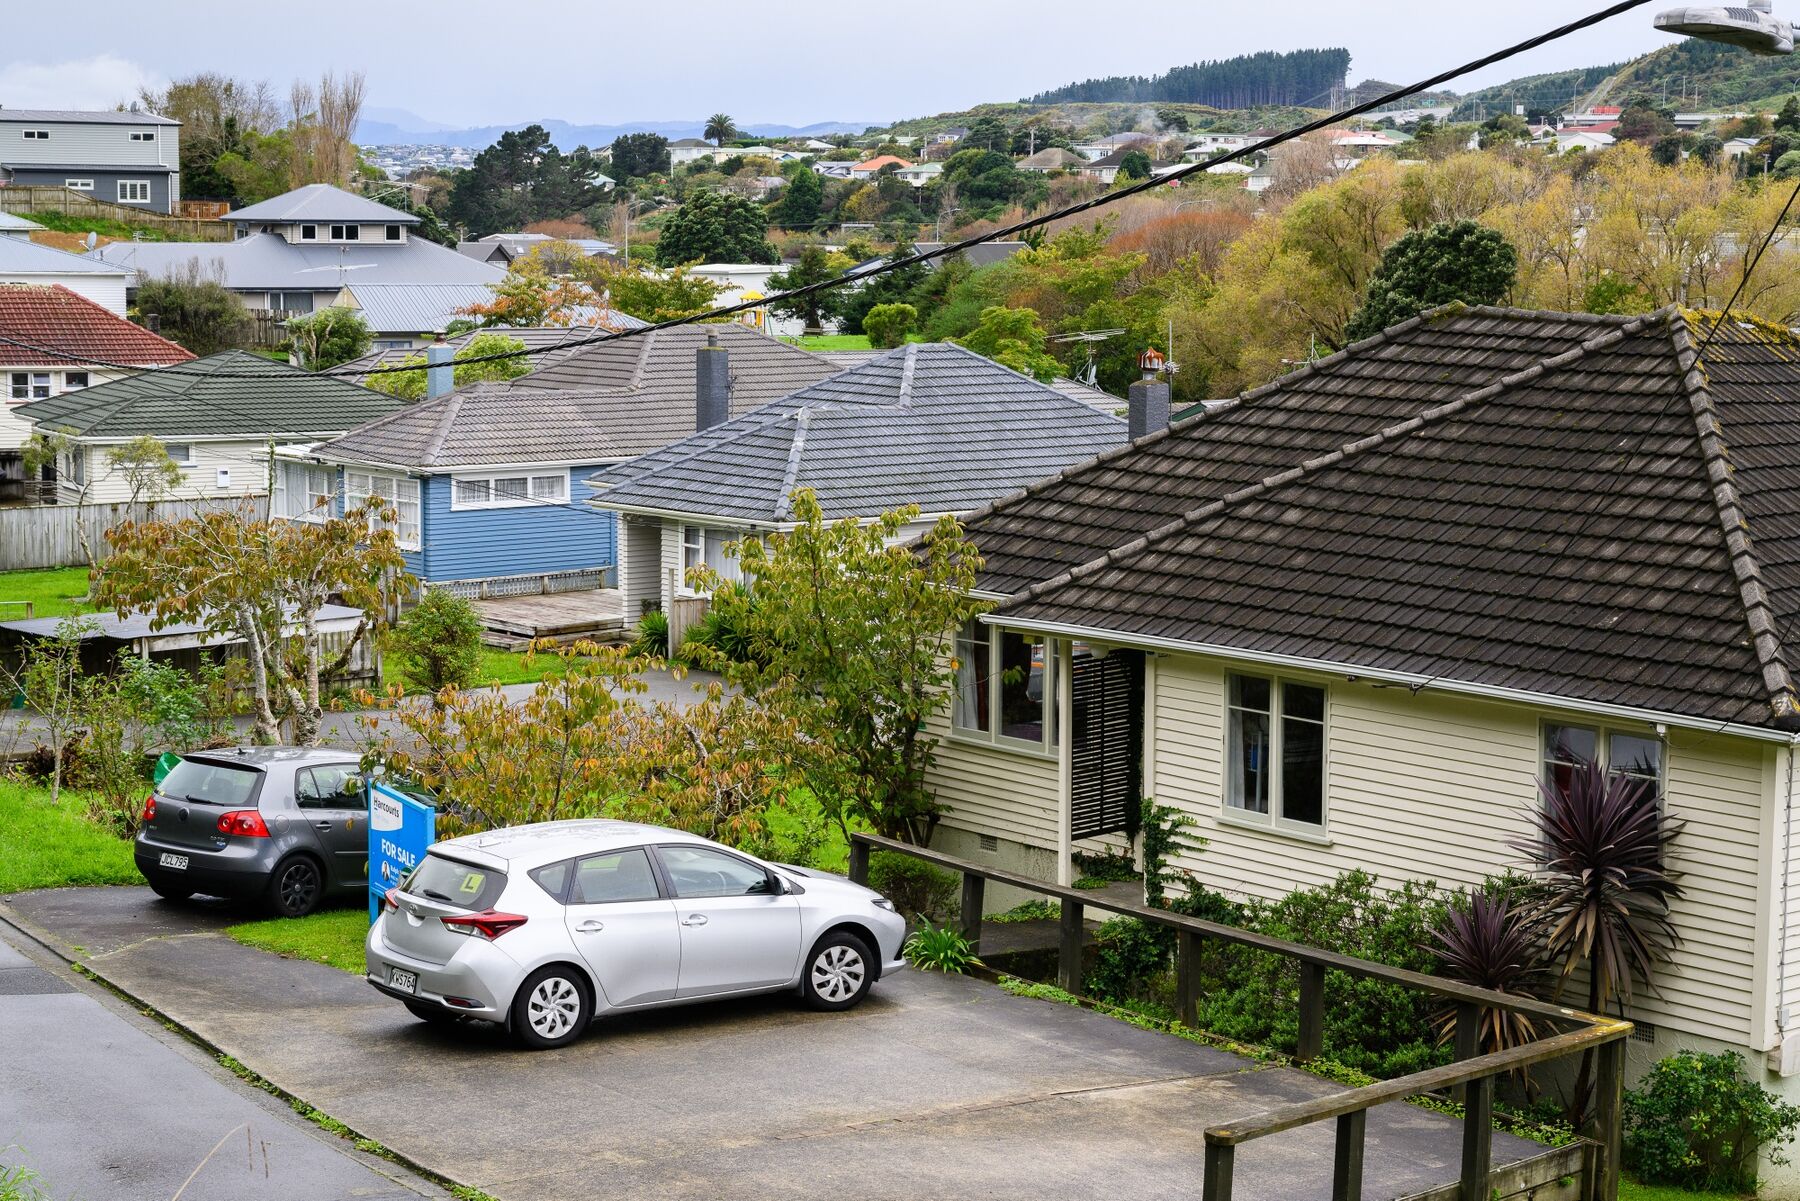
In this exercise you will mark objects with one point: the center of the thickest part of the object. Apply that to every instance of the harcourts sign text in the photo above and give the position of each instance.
(400, 831)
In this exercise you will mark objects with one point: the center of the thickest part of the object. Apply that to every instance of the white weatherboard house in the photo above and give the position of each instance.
(1353, 618)
(129, 158)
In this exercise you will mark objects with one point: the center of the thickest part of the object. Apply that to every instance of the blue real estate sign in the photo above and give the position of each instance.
(400, 831)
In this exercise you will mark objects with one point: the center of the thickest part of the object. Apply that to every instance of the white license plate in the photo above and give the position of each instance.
(404, 981)
(178, 862)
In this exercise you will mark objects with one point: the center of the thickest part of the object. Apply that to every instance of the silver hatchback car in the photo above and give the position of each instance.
(542, 927)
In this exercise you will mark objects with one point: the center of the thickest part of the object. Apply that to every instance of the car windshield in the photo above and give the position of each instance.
(455, 883)
(210, 782)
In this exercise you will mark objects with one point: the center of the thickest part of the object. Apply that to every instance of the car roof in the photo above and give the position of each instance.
(546, 842)
(264, 757)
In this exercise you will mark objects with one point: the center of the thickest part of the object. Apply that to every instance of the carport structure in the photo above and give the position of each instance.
(937, 1087)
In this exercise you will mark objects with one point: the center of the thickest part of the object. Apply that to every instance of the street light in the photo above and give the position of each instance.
(1752, 27)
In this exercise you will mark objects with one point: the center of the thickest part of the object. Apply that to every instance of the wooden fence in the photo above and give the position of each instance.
(52, 535)
(26, 199)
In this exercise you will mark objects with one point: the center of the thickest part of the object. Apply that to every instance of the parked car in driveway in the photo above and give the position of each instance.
(285, 825)
(542, 927)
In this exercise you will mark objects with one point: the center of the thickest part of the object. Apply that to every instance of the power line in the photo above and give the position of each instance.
(1017, 227)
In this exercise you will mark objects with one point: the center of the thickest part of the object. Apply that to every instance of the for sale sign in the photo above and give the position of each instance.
(401, 829)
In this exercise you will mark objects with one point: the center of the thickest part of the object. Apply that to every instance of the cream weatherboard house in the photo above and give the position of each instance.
(1349, 619)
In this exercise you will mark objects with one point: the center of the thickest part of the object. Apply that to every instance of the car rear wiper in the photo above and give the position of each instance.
(435, 895)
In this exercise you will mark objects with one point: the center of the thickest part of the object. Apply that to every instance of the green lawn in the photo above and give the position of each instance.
(1631, 1190)
(333, 937)
(50, 846)
(835, 342)
(497, 667)
(52, 593)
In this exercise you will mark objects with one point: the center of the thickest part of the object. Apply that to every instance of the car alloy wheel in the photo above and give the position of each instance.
(553, 1008)
(297, 888)
(838, 971)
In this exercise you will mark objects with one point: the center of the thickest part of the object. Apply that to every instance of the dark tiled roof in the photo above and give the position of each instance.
(928, 424)
(191, 401)
(660, 367)
(1596, 518)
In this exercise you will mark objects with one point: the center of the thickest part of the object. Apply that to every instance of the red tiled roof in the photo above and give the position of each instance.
(81, 330)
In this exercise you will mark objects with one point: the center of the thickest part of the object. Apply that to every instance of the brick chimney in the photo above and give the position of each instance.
(712, 384)
(1146, 407)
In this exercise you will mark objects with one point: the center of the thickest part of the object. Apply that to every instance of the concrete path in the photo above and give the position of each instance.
(936, 1087)
(106, 1105)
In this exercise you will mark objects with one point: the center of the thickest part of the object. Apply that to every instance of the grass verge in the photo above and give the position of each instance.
(1631, 1190)
(333, 937)
(497, 667)
(55, 592)
(45, 845)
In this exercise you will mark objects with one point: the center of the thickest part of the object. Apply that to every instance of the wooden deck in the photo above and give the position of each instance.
(514, 622)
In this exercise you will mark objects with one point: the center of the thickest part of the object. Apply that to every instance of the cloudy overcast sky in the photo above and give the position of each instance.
(461, 63)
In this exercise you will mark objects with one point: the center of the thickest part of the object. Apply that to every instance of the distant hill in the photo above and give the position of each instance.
(1689, 75)
(1298, 77)
(397, 127)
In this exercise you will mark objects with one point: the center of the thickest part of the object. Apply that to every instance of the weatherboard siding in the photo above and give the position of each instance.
(994, 790)
(1432, 787)
(473, 544)
(247, 463)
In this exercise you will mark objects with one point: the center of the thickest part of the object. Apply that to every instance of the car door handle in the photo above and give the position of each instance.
(323, 825)
(591, 927)
(694, 919)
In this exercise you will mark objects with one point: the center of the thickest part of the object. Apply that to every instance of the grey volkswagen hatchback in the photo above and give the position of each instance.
(286, 825)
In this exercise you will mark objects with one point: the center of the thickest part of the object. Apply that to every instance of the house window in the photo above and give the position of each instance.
(1275, 751)
(75, 466)
(509, 491)
(291, 302)
(400, 493)
(309, 233)
(37, 135)
(134, 191)
(302, 492)
(29, 385)
(143, 135)
(705, 545)
(181, 452)
(393, 233)
(1625, 753)
(1003, 687)
(79, 185)
(74, 381)
(346, 233)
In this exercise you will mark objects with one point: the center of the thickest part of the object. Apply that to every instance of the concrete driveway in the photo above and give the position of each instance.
(937, 1087)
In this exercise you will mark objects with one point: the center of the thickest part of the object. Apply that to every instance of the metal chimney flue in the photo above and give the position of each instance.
(712, 384)
(440, 375)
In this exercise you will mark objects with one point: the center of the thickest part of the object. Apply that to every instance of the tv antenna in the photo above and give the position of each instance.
(1093, 337)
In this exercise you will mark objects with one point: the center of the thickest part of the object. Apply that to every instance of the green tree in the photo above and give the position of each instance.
(814, 267)
(523, 178)
(888, 324)
(145, 466)
(660, 297)
(410, 385)
(53, 683)
(1789, 117)
(720, 128)
(801, 200)
(897, 285)
(329, 338)
(715, 227)
(637, 155)
(852, 635)
(1429, 267)
(1012, 338)
(193, 308)
(1135, 165)
(439, 643)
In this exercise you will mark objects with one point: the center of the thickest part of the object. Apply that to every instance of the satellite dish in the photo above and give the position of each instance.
(1753, 27)
(92, 240)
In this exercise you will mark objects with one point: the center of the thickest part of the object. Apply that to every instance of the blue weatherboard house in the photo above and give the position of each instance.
(489, 481)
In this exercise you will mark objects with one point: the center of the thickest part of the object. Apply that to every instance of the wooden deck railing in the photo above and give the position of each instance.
(1470, 1078)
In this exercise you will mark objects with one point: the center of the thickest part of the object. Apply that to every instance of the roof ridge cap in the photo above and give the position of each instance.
(784, 507)
(1734, 526)
(1333, 458)
(446, 420)
(907, 362)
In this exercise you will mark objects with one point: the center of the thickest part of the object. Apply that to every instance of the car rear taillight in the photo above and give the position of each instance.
(245, 823)
(390, 900)
(150, 808)
(489, 924)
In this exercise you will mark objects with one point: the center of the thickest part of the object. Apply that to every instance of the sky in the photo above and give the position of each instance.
(457, 63)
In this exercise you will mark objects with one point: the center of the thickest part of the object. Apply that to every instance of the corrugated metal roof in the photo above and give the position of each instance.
(69, 115)
(266, 261)
(12, 221)
(320, 202)
(21, 257)
(929, 424)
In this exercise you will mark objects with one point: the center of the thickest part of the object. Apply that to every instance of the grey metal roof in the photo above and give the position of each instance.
(189, 401)
(266, 261)
(129, 168)
(1549, 503)
(537, 339)
(929, 424)
(321, 202)
(595, 404)
(137, 625)
(21, 257)
(12, 222)
(70, 115)
(978, 256)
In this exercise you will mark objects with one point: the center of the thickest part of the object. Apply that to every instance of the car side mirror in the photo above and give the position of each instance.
(774, 885)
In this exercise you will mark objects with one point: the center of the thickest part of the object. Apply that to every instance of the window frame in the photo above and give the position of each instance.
(37, 135)
(667, 878)
(572, 886)
(730, 570)
(128, 190)
(491, 479)
(22, 386)
(303, 505)
(1603, 739)
(336, 802)
(392, 233)
(994, 637)
(346, 233)
(353, 498)
(141, 135)
(309, 232)
(1275, 819)
(69, 384)
(79, 184)
(185, 459)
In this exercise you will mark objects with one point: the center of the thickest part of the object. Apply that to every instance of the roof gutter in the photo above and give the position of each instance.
(598, 501)
(1412, 680)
